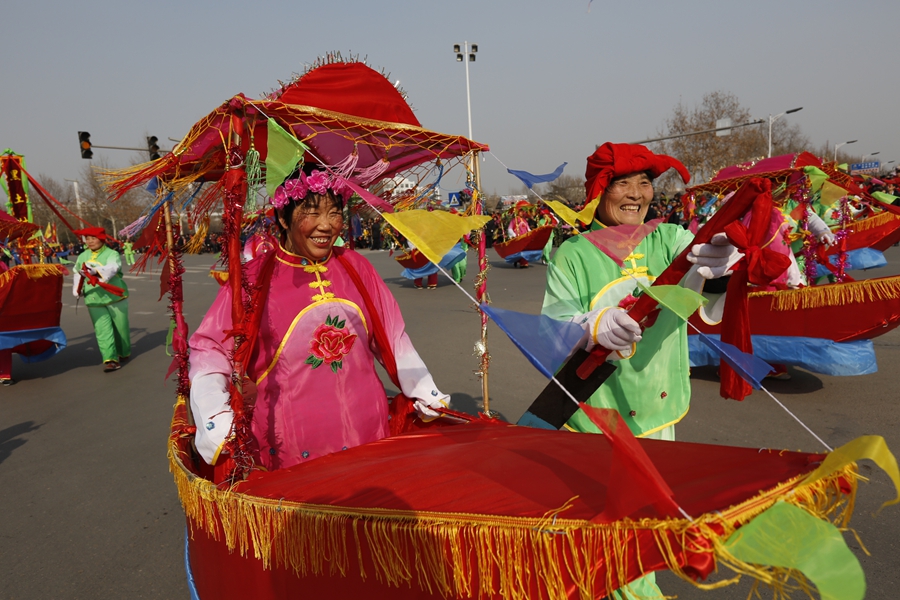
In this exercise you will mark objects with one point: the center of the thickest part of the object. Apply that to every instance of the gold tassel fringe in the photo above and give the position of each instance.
(468, 555)
(32, 272)
(834, 294)
(873, 222)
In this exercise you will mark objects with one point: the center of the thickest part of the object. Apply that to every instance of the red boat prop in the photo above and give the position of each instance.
(30, 308)
(412, 259)
(530, 522)
(857, 310)
(534, 240)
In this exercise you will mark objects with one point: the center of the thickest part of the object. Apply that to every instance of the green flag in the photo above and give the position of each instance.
(789, 537)
(681, 301)
(816, 178)
(884, 197)
(283, 153)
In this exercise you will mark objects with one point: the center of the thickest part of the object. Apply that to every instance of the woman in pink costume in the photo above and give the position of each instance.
(313, 364)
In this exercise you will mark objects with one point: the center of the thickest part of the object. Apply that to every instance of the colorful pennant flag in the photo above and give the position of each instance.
(530, 180)
(434, 233)
(681, 301)
(283, 153)
(816, 178)
(585, 215)
(620, 241)
(872, 447)
(751, 368)
(789, 537)
(831, 193)
(885, 197)
(545, 342)
(632, 474)
(371, 199)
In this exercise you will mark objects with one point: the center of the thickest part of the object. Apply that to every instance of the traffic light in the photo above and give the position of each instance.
(153, 147)
(84, 140)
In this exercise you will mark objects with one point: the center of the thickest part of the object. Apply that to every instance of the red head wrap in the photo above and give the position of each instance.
(97, 232)
(612, 160)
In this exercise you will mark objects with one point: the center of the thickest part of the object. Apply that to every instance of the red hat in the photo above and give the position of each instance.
(97, 232)
(612, 160)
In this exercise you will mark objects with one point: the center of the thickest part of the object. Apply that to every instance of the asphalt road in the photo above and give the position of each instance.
(89, 510)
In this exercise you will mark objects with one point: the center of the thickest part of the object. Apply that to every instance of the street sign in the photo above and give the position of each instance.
(453, 199)
(873, 166)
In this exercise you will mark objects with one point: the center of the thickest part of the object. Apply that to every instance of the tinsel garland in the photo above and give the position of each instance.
(842, 216)
(810, 243)
(176, 308)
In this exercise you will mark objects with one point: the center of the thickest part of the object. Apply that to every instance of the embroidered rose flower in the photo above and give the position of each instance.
(317, 181)
(330, 344)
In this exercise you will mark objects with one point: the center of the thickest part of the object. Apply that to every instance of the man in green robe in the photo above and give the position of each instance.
(98, 277)
(650, 388)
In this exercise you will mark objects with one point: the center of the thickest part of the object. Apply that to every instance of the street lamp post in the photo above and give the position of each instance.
(836, 146)
(772, 119)
(865, 156)
(467, 54)
(77, 196)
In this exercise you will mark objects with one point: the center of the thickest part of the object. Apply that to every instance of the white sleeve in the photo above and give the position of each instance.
(76, 281)
(109, 270)
(210, 376)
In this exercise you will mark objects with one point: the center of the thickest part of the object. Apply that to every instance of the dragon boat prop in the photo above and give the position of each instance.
(824, 328)
(537, 520)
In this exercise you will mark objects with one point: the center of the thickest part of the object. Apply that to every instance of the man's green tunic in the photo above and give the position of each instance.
(651, 389)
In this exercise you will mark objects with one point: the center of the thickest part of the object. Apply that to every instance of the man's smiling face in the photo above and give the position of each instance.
(626, 200)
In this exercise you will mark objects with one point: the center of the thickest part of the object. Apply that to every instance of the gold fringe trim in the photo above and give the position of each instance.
(834, 294)
(468, 555)
(32, 272)
(873, 222)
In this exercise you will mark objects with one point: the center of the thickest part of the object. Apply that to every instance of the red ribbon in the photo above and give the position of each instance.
(94, 280)
(759, 266)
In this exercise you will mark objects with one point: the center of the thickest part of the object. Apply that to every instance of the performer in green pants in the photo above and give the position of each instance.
(98, 277)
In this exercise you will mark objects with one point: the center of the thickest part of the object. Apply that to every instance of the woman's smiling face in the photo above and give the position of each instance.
(314, 228)
(625, 200)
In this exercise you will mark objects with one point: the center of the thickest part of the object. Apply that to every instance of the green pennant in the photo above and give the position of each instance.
(681, 301)
(884, 197)
(816, 178)
(789, 537)
(283, 153)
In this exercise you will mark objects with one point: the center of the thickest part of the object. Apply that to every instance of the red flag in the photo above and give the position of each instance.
(633, 476)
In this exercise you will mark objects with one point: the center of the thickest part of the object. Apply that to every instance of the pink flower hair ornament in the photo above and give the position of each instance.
(318, 182)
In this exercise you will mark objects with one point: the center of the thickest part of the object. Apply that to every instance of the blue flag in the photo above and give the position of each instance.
(545, 342)
(529, 179)
(749, 367)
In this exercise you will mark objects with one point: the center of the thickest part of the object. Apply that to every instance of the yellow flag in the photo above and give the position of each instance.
(586, 215)
(872, 447)
(831, 193)
(49, 233)
(434, 233)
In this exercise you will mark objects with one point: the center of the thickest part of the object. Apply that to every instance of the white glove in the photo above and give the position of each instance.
(716, 258)
(614, 330)
(91, 269)
(427, 408)
(76, 281)
(820, 229)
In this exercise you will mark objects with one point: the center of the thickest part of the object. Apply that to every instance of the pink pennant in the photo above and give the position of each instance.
(366, 195)
(620, 241)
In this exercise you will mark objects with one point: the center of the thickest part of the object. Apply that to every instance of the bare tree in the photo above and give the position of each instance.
(706, 153)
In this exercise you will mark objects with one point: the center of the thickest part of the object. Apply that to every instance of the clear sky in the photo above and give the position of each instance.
(552, 78)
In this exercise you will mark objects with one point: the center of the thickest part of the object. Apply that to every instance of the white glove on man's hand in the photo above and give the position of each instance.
(819, 229)
(91, 269)
(716, 258)
(426, 408)
(614, 330)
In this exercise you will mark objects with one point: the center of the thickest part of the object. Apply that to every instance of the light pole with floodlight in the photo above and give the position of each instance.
(467, 54)
(772, 119)
(836, 146)
(865, 156)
